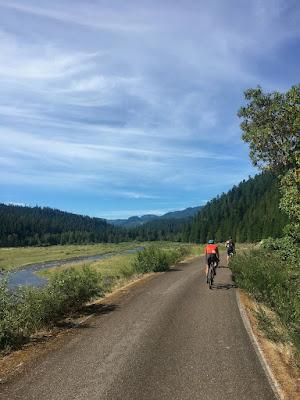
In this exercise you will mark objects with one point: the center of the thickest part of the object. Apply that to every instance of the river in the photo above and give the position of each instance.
(26, 276)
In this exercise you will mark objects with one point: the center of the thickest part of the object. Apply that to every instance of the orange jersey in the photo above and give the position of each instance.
(211, 249)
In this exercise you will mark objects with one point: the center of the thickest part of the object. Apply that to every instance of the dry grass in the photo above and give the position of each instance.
(280, 354)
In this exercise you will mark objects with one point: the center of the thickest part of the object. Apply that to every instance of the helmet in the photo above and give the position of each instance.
(211, 241)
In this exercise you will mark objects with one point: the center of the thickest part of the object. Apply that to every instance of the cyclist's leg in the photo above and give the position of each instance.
(208, 260)
(228, 255)
(215, 264)
(207, 263)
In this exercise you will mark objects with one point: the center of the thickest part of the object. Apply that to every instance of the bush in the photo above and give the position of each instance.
(285, 246)
(274, 281)
(155, 259)
(151, 259)
(25, 310)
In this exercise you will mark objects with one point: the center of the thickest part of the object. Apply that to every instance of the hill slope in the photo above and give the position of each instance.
(248, 213)
(29, 226)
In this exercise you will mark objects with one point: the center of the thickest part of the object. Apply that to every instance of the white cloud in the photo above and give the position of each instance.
(134, 103)
(99, 19)
(39, 62)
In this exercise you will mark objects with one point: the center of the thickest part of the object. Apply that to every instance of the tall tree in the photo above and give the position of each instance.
(271, 126)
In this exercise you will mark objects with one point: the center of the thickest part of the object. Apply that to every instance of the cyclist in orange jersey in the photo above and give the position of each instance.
(211, 252)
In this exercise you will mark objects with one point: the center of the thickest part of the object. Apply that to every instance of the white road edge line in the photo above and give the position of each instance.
(271, 378)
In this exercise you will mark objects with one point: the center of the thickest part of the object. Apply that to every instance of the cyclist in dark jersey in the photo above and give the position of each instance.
(230, 248)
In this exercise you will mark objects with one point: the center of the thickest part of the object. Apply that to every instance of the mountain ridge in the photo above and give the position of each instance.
(135, 221)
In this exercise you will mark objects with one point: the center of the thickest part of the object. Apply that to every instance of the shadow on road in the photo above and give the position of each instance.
(174, 270)
(223, 266)
(99, 309)
(224, 286)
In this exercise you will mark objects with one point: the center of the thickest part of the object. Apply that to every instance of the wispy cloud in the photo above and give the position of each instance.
(83, 15)
(107, 96)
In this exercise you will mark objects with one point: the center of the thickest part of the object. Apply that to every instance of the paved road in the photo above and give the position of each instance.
(169, 338)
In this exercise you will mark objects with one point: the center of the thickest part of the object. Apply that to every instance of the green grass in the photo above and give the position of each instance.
(273, 282)
(13, 257)
(116, 266)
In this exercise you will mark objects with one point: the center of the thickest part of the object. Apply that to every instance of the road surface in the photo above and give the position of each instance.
(168, 338)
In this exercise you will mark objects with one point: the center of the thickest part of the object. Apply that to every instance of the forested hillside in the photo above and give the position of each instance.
(160, 229)
(31, 226)
(248, 213)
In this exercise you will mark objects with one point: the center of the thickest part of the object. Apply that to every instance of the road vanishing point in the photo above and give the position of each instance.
(165, 338)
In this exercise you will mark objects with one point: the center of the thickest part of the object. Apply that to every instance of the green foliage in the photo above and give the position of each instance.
(271, 126)
(151, 259)
(272, 281)
(25, 310)
(290, 203)
(248, 213)
(155, 259)
(285, 247)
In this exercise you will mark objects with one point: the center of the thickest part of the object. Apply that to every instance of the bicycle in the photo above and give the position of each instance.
(211, 273)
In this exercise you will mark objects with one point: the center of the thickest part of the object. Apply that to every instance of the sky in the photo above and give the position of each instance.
(115, 108)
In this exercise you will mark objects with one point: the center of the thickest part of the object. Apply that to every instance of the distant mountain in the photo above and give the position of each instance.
(189, 212)
(136, 221)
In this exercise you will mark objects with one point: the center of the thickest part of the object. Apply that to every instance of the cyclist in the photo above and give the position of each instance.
(211, 255)
(230, 248)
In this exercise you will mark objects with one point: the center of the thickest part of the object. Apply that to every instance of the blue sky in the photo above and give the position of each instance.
(120, 108)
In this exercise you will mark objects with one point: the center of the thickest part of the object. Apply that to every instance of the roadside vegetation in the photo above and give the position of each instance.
(25, 311)
(273, 282)
(271, 273)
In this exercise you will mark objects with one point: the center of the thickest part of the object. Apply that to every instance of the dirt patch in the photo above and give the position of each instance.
(280, 356)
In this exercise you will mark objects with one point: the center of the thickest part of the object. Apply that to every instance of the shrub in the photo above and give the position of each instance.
(151, 259)
(156, 259)
(273, 281)
(25, 310)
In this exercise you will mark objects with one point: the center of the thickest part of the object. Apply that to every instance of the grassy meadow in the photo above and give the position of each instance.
(14, 257)
(122, 266)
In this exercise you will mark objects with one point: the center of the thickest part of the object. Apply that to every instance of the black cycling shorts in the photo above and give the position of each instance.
(212, 258)
(230, 250)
